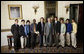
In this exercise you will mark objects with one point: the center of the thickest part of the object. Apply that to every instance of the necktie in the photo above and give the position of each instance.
(34, 28)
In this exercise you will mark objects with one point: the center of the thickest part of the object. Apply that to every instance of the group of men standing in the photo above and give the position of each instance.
(52, 33)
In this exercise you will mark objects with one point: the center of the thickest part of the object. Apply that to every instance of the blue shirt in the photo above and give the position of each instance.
(27, 29)
(68, 27)
(49, 25)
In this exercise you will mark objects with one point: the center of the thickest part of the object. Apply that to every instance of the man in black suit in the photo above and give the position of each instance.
(16, 36)
(56, 31)
(41, 25)
(22, 34)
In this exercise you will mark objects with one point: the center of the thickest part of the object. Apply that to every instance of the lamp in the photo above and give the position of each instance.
(67, 8)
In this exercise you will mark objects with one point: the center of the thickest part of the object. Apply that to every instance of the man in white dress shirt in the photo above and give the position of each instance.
(62, 33)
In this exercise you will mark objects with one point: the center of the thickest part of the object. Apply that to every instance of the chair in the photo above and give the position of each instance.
(10, 41)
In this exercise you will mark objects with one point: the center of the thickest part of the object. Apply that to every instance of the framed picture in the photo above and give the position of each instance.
(15, 11)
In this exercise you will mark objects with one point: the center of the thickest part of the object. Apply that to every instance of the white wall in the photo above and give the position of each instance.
(4, 38)
(27, 12)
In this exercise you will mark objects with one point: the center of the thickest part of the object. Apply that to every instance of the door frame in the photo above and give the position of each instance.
(70, 11)
(55, 12)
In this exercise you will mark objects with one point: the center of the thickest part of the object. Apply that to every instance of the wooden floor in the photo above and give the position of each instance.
(37, 49)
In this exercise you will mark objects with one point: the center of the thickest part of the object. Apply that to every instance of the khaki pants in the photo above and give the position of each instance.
(73, 39)
(68, 39)
(62, 40)
(23, 41)
(44, 40)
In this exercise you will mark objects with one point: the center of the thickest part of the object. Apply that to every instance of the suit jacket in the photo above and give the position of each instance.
(16, 35)
(40, 27)
(32, 27)
(22, 30)
(15, 30)
(57, 27)
(47, 30)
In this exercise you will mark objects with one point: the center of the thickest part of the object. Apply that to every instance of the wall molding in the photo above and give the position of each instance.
(5, 30)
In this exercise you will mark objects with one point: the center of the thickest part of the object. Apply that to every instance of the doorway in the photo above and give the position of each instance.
(76, 12)
(50, 9)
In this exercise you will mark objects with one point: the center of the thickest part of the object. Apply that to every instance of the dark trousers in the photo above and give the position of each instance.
(28, 41)
(17, 43)
(41, 39)
(33, 40)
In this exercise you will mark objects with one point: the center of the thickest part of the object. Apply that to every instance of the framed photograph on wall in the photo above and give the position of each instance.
(15, 11)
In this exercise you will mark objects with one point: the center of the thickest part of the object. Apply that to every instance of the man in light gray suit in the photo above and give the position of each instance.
(48, 32)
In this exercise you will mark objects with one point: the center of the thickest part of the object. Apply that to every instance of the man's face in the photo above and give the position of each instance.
(23, 22)
(48, 19)
(72, 21)
(34, 21)
(67, 21)
(61, 21)
(28, 23)
(41, 20)
(16, 21)
(56, 19)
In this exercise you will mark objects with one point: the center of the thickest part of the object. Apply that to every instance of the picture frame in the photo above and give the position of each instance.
(15, 12)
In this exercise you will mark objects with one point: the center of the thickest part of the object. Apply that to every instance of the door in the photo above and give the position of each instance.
(76, 12)
(50, 9)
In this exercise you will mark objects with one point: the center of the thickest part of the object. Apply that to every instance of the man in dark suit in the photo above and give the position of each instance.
(16, 36)
(41, 25)
(56, 31)
(22, 34)
(33, 30)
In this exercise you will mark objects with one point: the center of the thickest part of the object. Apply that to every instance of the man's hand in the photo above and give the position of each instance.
(27, 36)
(53, 34)
(44, 34)
(58, 33)
(38, 34)
(63, 34)
(22, 36)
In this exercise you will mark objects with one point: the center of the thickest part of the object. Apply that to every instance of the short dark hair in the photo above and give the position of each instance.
(22, 20)
(56, 17)
(62, 19)
(68, 20)
(73, 19)
(42, 18)
(16, 19)
(34, 20)
(27, 21)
